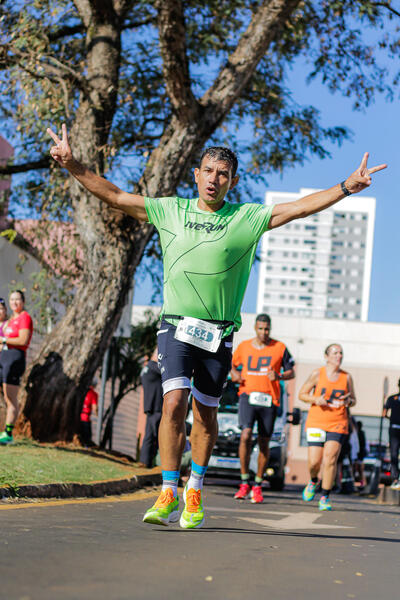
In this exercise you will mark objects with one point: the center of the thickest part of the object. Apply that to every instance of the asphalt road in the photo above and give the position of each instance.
(282, 549)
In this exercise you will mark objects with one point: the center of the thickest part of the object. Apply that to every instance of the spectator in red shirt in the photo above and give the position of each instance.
(17, 334)
(90, 402)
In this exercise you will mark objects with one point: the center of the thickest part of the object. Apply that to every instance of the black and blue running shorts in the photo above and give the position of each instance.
(12, 365)
(183, 366)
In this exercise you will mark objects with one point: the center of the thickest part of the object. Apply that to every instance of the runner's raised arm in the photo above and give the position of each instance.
(356, 182)
(132, 204)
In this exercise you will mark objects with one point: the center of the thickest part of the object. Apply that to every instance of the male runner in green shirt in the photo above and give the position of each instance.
(208, 248)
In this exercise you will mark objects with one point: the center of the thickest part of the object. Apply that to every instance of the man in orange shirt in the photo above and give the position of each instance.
(264, 362)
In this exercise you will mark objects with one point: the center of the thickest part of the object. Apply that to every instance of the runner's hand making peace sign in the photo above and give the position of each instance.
(361, 178)
(61, 152)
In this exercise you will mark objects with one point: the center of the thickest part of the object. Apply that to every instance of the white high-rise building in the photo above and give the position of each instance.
(319, 266)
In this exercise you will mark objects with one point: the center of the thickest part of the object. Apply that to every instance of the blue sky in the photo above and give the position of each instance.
(375, 130)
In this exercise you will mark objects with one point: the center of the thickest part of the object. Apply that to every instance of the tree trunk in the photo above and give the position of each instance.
(57, 380)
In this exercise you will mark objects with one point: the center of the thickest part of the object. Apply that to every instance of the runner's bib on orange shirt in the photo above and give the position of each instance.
(334, 417)
(257, 362)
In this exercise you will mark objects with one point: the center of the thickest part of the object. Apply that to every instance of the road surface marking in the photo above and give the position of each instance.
(300, 520)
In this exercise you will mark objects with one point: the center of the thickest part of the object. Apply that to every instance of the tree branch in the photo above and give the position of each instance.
(69, 30)
(58, 69)
(65, 31)
(172, 33)
(265, 26)
(135, 24)
(42, 163)
(388, 7)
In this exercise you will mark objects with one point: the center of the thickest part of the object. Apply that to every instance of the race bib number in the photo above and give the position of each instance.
(199, 333)
(316, 435)
(259, 399)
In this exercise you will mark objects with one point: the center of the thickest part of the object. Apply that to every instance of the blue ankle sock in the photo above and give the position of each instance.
(196, 476)
(170, 480)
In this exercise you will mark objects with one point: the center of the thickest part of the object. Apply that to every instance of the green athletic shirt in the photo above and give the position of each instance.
(207, 255)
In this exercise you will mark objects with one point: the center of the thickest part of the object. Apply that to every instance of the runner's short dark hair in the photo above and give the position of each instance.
(264, 318)
(222, 153)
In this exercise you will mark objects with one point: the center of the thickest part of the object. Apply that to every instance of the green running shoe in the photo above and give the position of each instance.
(164, 511)
(309, 491)
(324, 503)
(5, 438)
(192, 516)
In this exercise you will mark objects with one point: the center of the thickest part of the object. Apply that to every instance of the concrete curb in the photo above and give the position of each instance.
(83, 490)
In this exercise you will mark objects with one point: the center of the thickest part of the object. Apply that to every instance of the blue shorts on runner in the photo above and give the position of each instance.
(249, 414)
(179, 362)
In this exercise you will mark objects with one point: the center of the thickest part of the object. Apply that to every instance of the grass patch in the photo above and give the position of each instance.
(28, 463)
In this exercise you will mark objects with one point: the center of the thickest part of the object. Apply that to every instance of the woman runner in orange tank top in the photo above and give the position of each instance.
(329, 391)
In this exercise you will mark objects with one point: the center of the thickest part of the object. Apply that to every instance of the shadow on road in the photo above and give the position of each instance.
(276, 532)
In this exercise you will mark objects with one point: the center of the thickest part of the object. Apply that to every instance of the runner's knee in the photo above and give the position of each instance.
(175, 405)
(330, 459)
(246, 435)
(263, 443)
(205, 416)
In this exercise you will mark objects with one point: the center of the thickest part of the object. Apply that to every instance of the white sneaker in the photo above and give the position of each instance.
(395, 485)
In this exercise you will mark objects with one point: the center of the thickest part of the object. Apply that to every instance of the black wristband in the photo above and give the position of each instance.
(345, 191)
